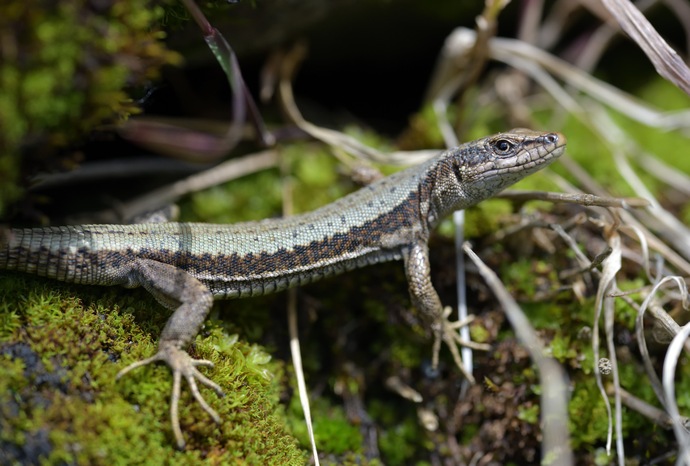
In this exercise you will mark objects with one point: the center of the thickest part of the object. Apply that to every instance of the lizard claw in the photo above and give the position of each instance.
(446, 332)
(181, 365)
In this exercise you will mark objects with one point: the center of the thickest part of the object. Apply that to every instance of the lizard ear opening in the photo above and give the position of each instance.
(458, 170)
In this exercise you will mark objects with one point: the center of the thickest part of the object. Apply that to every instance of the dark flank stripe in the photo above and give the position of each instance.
(226, 275)
(277, 271)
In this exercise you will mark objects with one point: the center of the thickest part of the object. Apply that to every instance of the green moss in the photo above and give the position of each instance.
(529, 413)
(59, 356)
(561, 348)
(479, 334)
(316, 183)
(237, 201)
(400, 442)
(684, 215)
(334, 434)
(317, 180)
(483, 219)
(423, 130)
(588, 418)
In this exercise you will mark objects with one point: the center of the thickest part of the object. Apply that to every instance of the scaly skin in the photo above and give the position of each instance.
(186, 265)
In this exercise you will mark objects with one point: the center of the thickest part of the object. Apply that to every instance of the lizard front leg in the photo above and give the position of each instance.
(426, 300)
(191, 301)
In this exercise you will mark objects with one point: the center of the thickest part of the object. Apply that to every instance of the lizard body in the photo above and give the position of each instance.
(186, 265)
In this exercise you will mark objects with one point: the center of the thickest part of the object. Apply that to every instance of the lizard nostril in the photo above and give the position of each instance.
(551, 138)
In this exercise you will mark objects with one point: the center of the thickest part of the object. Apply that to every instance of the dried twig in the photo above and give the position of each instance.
(581, 199)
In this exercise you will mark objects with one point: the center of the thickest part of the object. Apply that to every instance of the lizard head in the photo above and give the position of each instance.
(480, 169)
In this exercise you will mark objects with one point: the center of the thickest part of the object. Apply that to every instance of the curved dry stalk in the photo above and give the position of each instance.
(655, 216)
(331, 137)
(628, 220)
(604, 304)
(540, 65)
(299, 371)
(672, 326)
(668, 375)
(601, 39)
(666, 61)
(554, 403)
(652, 413)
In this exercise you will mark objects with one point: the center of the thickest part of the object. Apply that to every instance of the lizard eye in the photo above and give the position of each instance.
(503, 147)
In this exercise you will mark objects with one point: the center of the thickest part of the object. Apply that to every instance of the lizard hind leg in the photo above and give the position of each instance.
(191, 301)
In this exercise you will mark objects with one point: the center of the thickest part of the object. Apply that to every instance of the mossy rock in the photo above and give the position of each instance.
(60, 402)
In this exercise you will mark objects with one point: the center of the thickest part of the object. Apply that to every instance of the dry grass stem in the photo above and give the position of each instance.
(554, 403)
(544, 68)
(226, 171)
(665, 60)
(336, 139)
(668, 380)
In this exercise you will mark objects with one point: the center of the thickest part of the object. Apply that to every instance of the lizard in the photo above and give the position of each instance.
(185, 266)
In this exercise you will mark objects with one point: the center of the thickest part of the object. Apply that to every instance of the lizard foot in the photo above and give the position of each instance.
(181, 365)
(447, 332)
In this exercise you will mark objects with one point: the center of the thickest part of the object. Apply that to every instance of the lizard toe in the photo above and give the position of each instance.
(182, 366)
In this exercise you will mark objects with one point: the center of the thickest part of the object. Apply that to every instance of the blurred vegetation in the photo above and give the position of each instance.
(64, 71)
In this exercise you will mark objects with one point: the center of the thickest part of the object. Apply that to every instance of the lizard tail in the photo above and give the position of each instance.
(31, 250)
(5, 237)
